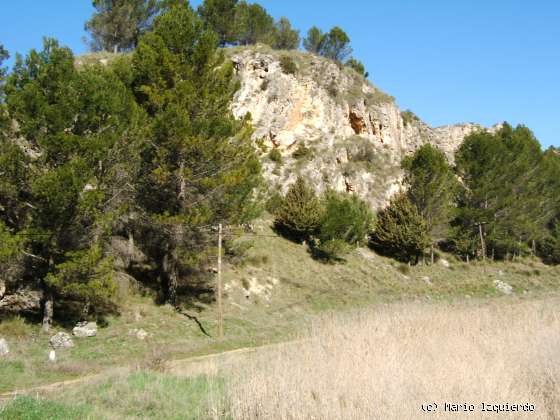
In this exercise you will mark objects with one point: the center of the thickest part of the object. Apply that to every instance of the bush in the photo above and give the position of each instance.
(358, 67)
(301, 152)
(409, 117)
(273, 203)
(400, 231)
(330, 251)
(300, 212)
(346, 221)
(275, 156)
(237, 250)
(346, 217)
(288, 65)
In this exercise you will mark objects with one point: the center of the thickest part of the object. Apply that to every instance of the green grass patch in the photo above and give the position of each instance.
(26, 408)
(150, 395)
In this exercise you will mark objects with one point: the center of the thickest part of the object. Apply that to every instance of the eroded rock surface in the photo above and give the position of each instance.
(355, 133)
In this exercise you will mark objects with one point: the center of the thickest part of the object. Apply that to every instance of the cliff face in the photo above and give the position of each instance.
(330, 124)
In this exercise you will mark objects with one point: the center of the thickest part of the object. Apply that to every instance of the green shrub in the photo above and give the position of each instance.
(273, 203)
(345, 217)
(404, 269)
(332, 89)
(345, 222)
(331, 250)
(237, 250)
(358, 67)
(301, 152)
(400, 231)
(300, 212)
(275, 156)
(288, 65)
(264, 85)
(409, 117)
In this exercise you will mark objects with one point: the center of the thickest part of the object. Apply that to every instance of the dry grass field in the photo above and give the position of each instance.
(386, 362)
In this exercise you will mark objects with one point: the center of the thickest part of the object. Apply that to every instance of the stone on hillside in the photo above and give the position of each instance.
(139, 333)
(503, 287)
(61, 340)
(85, 329)
(4, 349)
(52, 356)
(444, 262)
(2, 288)
(427, 280)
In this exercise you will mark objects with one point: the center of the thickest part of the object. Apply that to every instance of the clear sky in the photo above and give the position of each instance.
(449, 61)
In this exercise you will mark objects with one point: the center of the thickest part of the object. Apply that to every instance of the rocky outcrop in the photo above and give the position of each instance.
(332, 111)
(23, 300)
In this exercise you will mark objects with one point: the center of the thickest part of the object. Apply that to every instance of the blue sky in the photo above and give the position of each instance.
(449, 61)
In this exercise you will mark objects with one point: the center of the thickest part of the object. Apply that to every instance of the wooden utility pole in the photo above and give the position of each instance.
(220, 287)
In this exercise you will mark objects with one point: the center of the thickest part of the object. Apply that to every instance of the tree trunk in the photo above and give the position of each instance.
(432, 253)
(482, 244)
(468, 258)
(534, 247)
(48, 312)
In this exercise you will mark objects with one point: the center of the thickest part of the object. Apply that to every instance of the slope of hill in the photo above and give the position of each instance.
(272, 292)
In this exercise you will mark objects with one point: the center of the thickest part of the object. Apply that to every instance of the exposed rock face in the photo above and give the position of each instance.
(355, 133)
(23, 300)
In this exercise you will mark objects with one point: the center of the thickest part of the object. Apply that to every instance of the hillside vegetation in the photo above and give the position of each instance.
(272, 293)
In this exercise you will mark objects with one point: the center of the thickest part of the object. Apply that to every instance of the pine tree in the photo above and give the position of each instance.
(300, 213)
(432, 186)
(219, 16)
(117, 24)
(335, 45)
(312, 42)
(71, 118)
(199, 166)
(505, 202)
(400, 231)
(285, 38)
(3, 116)
(253, 24)
(358, 66)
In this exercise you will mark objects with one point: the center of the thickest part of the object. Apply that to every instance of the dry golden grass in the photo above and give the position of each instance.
(385, 363)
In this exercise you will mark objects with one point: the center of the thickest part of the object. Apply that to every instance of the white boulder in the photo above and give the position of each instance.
(4, 349)
(61, 340)
(85, 329)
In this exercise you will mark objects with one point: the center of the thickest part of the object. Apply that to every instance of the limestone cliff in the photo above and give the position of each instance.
(330, 124)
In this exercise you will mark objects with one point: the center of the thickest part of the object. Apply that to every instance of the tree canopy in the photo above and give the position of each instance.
(117, 25)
